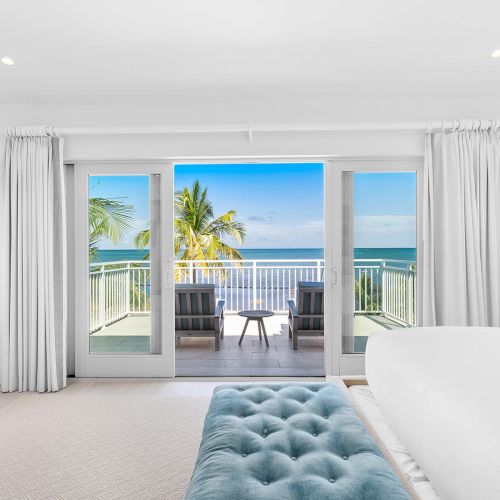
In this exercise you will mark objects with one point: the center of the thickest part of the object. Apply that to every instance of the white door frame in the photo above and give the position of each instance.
(124, 365)
(339, 363)
(336, 363)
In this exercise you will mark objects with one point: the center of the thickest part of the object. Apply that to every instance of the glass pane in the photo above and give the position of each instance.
(122, 253)
(379, 255)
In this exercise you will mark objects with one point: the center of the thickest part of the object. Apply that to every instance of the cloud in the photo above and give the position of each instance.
(263, 232)
(371, 231)
(288, 234)
(267, 218)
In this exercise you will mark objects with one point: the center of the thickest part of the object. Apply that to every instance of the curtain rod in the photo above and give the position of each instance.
(246, 129)
(251, 128)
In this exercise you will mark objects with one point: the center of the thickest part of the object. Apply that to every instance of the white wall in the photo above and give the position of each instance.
(282, 108)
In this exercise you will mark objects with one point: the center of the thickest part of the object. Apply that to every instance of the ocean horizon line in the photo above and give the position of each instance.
(133, 249)
(297, 254)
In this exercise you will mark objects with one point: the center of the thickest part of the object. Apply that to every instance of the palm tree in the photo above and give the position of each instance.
(367, 294)
(198, 234)
(108, 218)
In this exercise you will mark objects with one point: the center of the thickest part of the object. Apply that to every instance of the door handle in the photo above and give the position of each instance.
(169, 275)
(334, 276)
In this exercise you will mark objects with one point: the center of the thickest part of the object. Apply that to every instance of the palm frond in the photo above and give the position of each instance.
(108, 218)
(141, 240)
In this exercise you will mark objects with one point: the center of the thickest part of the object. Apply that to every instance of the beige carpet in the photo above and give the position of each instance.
(100, 442)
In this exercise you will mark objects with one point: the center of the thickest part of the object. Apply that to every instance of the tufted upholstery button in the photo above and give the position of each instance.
(243, 454)
(294, 458)
(283, 418)
(331, 480)
(315, 434)
(345, 457)
(326, 417)
(265, 483)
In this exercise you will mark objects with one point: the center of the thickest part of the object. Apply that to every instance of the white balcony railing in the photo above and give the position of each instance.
(119, 289)
(386, 287)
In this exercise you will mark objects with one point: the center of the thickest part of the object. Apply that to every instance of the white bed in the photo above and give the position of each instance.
(367, 404)
(436, 391)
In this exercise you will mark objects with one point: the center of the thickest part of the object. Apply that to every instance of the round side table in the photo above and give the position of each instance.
(256, 315)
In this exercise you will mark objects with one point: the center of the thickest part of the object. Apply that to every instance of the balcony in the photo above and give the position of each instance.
(383, 298)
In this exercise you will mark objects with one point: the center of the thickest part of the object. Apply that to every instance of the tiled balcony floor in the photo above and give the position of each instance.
(197, 357)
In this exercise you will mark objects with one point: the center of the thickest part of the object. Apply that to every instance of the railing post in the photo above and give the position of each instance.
(254, 284)
(127, 290)
(318, 270)
(102, 298)
(384, 287)
(191, 275)
(409, 296)
(413, 288)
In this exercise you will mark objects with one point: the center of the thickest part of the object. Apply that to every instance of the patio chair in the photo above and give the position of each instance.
(196, 314)
(306, 317)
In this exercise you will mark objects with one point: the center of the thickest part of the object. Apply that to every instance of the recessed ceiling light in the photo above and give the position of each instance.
(8, 61)
(495, 53)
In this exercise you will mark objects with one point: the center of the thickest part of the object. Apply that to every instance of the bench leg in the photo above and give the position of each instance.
(217, 341)
(294, 341)
(260, 330)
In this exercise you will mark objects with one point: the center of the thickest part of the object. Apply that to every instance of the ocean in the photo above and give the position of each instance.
(276, 253)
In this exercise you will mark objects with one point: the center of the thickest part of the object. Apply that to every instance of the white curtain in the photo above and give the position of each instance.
(33, 262)
(461, 274)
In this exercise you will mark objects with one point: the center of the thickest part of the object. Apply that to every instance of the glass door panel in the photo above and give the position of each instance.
(122, 311)
(123, 277)
(378, 255)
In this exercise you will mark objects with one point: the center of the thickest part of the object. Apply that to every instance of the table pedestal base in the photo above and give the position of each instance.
(262, 329)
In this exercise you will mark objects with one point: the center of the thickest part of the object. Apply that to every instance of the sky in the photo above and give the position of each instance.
(385, 210)
(281, 205)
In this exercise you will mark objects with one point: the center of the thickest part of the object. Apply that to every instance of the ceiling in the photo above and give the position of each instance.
(158, 50)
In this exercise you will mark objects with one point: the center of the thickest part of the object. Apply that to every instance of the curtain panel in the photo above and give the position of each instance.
(33, 262)
(461, 274)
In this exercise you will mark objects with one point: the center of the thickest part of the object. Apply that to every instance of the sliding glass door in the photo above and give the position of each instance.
(124, 251)
(379, 258)
(373, 238)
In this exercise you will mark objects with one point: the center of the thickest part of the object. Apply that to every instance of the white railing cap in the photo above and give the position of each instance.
(249, 261)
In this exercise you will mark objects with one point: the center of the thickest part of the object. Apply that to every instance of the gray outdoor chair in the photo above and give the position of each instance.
(196, 314)
(306, 317)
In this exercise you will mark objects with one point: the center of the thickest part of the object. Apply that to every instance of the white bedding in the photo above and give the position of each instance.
(369, 407)
(438, 389)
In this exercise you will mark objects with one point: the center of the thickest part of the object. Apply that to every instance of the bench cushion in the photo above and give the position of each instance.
(288, 441)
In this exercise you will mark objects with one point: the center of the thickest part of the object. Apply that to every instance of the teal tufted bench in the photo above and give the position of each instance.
(288, 442)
